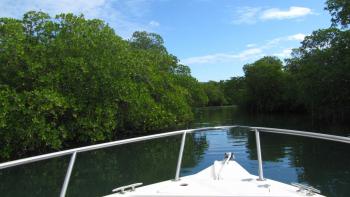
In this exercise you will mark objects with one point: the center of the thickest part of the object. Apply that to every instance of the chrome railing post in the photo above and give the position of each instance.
(258, 149)
(179, 160)
(68, 174)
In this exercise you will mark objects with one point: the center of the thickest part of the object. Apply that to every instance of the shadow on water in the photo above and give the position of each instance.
(322, 164)
(232, 115)
(96, 173)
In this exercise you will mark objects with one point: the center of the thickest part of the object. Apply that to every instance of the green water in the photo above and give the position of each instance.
(324, 165)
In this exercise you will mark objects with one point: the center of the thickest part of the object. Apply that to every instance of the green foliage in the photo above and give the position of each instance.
(235, 90)
(70, 80)
(264, 83)
(321, 67)
(340, 11)
(195, 93)
(31, 120)
(147, 41)
(316, 79)
(215, 93)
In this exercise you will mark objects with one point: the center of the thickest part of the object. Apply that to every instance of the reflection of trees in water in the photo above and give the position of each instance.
(237, 132)
(196, 144)
(319, 163)
(212, 116)
(325, 165)
(272, 146)
(96, 173)
(146, 162)
(232, 115)
(36, 179)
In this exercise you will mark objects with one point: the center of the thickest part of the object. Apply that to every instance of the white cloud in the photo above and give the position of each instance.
(292, 12)
(224, 57)
(250, 45)
(246, 15)
(203, 59)
(252, 52)
(154, 24)
(249, 53)
(251, 15)
(121, 15)
(15, 8)
(298, 37)
(285, 53)
(276, 41)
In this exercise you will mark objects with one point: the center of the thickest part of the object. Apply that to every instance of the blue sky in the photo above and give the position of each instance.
(214, 37)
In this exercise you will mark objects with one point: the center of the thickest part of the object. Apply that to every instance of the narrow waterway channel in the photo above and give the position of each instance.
(321, 164)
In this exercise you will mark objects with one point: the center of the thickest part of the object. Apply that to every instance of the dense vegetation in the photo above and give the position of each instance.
(316, 79)
(67, 80)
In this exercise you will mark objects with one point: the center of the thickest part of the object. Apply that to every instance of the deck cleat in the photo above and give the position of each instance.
(310, 191)
(131, 187)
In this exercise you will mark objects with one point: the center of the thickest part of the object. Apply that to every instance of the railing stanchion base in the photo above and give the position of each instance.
(68, 174)
(179, 161)
(258, 149)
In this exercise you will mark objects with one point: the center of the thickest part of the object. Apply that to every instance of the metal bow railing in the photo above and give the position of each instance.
(257, 130)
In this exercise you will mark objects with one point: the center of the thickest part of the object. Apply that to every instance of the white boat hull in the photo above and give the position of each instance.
(220, 179)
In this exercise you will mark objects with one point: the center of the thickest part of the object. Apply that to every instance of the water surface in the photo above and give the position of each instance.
(324, 165)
